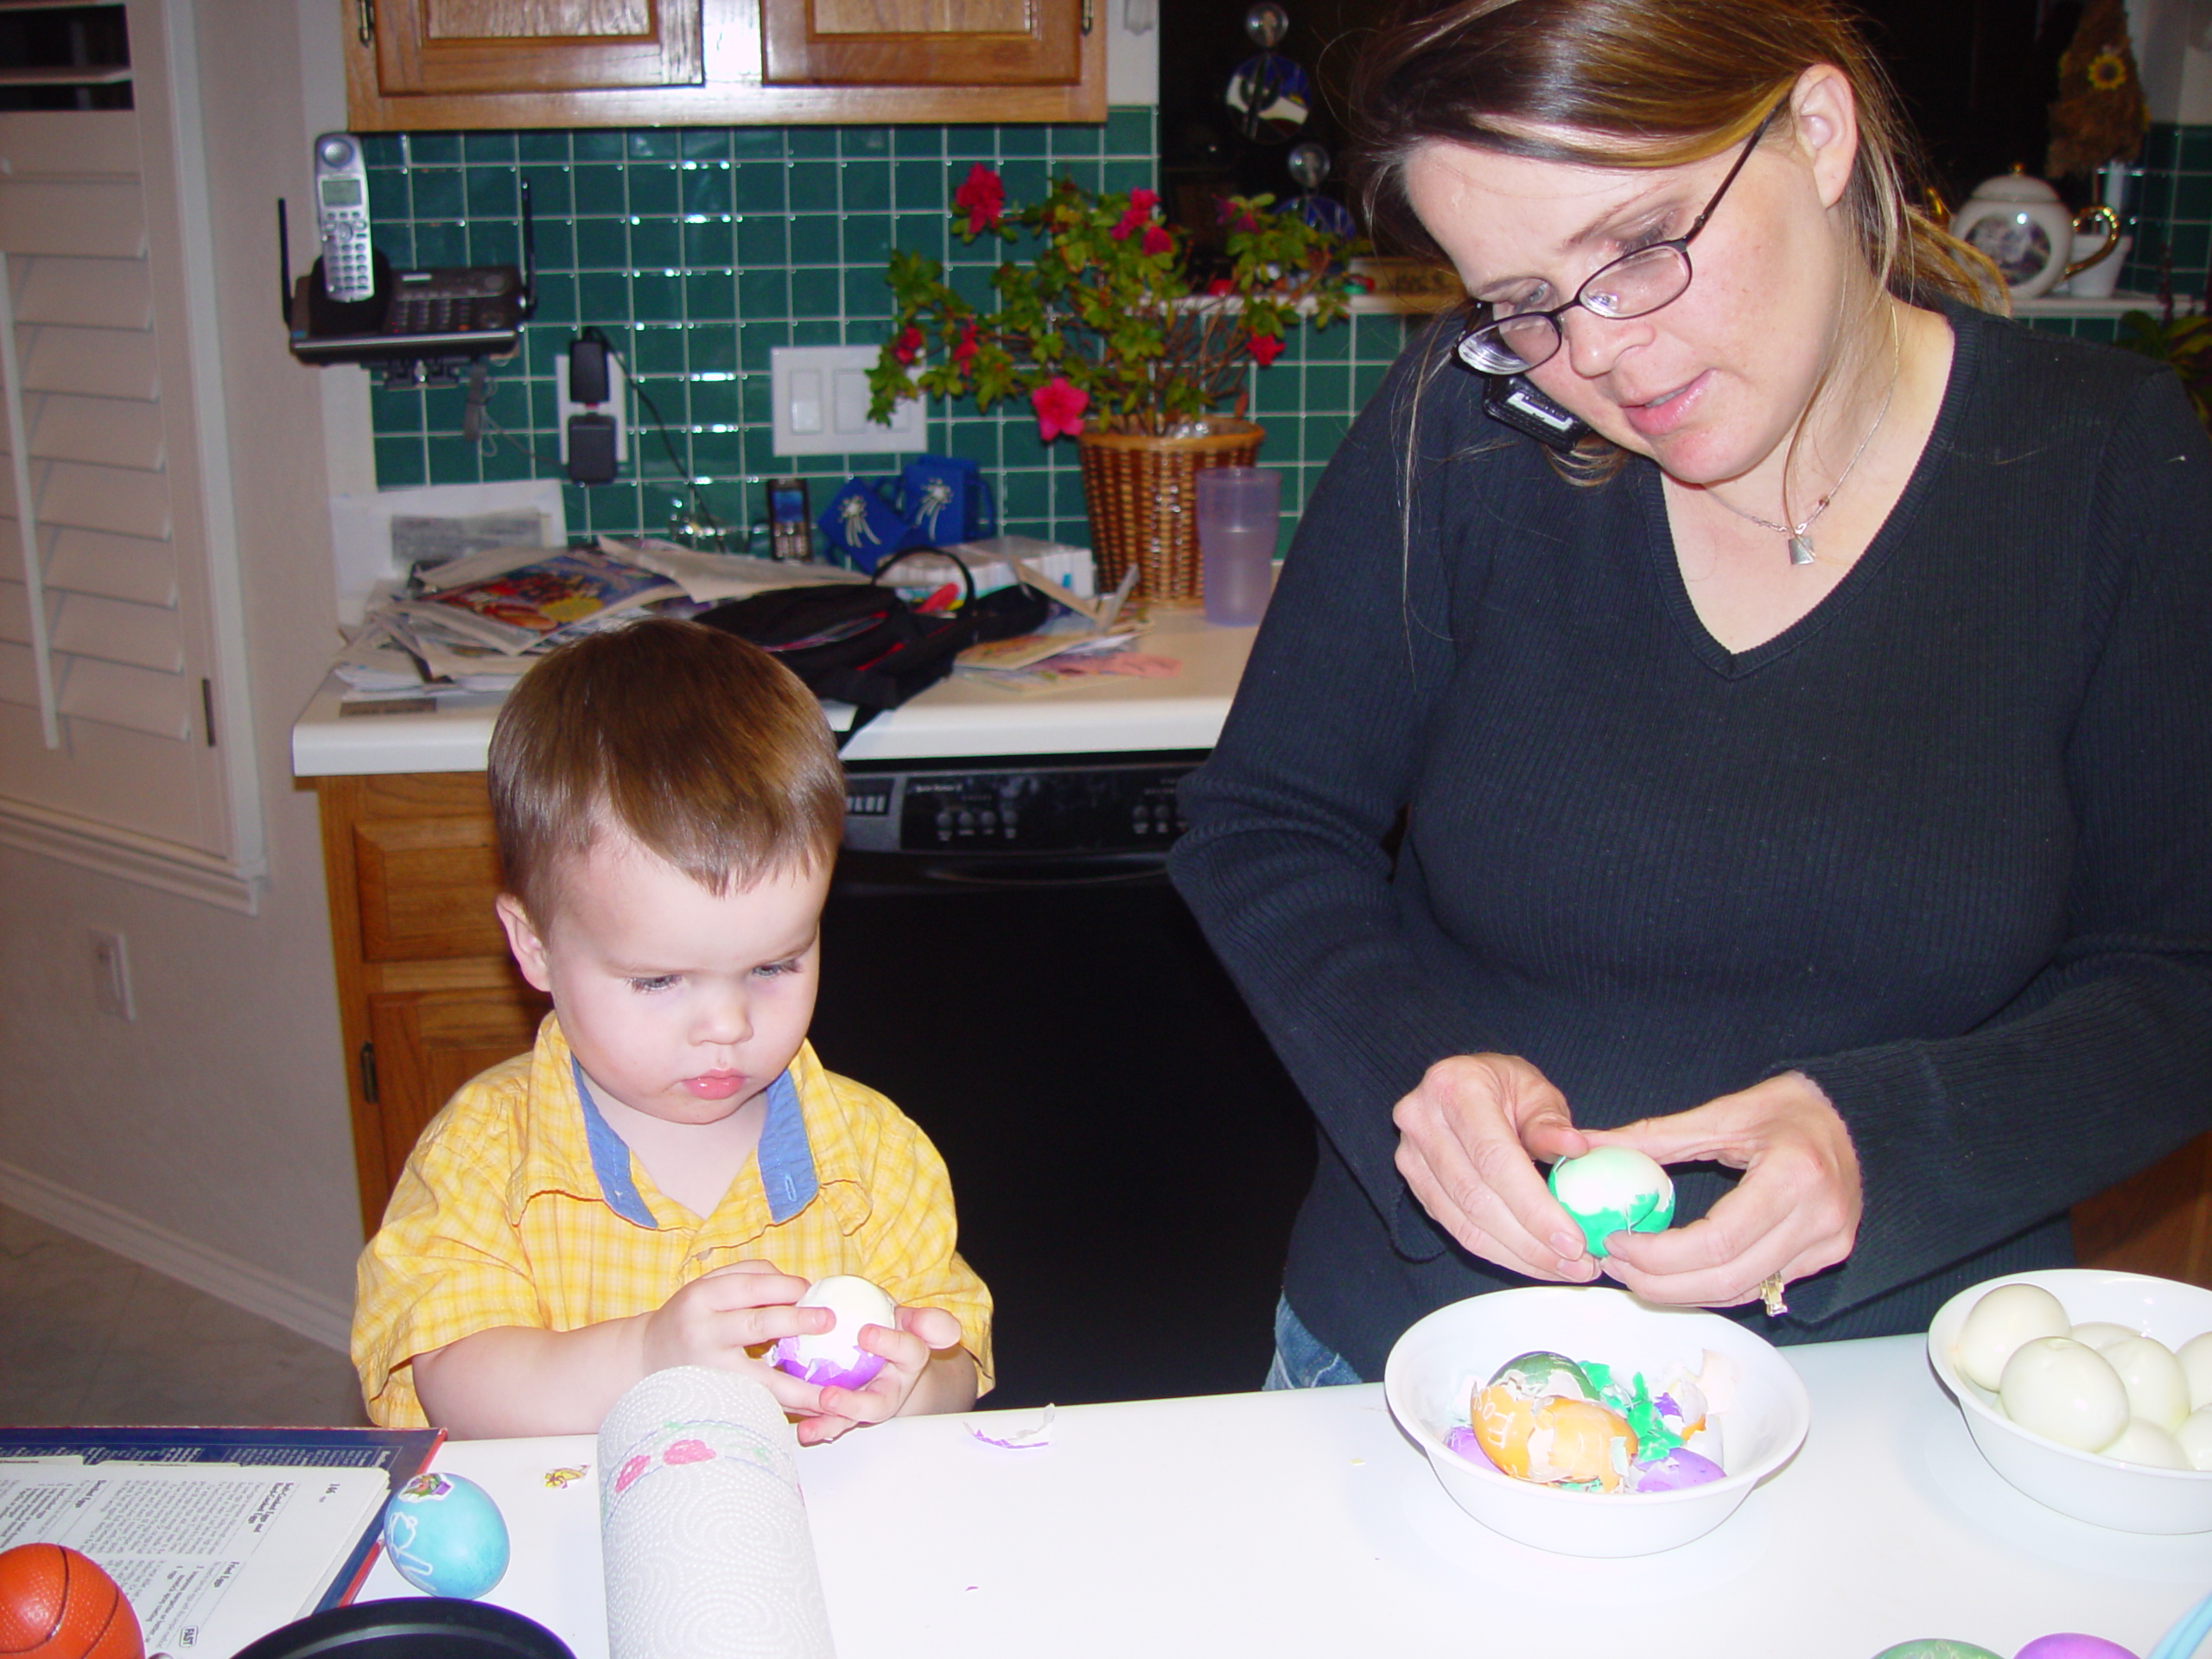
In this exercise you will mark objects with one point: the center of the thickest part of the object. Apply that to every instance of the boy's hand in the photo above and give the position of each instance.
(905, 1352)
(715, 1318)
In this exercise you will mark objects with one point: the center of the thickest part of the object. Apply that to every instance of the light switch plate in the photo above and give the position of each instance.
(819, 399)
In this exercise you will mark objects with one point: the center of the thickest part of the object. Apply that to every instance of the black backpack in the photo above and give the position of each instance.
(864, 644)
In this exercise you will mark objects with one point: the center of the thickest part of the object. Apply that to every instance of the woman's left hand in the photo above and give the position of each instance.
(1795, 1213)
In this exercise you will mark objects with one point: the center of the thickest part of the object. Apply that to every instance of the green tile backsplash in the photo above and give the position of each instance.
(695, 251)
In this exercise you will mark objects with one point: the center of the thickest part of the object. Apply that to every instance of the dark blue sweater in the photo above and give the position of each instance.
(1945, 845)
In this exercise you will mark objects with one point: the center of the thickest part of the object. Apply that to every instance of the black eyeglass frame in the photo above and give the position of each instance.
(1494, 327)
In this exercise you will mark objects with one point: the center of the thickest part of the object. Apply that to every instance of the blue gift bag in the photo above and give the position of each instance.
(861, 527)
(943, 500)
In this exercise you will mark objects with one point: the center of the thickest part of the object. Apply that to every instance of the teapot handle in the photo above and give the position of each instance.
(2083, 221)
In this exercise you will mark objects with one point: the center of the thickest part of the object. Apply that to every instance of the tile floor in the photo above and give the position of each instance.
(87, 1337)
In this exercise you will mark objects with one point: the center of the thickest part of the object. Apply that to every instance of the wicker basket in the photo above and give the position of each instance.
(1142, 494)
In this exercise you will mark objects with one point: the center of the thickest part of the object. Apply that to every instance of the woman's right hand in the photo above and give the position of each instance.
(1467, 1139)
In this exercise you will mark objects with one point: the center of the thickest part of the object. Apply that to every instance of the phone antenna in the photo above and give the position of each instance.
(528, 254)
(284, 259)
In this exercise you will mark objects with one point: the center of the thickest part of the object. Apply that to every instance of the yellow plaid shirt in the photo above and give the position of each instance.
(499, 1219)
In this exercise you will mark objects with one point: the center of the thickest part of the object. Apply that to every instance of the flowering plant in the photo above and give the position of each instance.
(1104, 326)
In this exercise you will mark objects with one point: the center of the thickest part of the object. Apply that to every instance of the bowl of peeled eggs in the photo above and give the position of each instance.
(1579, 1420)
(2089, 1390)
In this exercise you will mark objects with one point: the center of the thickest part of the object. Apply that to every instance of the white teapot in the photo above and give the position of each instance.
(2020, 222)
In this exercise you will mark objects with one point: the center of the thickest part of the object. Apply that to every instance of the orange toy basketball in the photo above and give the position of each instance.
(57, 1604)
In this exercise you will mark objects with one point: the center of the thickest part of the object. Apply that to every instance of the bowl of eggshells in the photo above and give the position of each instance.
(2089, 1390)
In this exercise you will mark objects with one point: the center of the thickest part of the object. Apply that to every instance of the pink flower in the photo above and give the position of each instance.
(681, 1451)
(1157, 240)
(1265, 348)
(1141, 202)
(1060, 408)
(982, 196)
(908, 346)
(963, 351)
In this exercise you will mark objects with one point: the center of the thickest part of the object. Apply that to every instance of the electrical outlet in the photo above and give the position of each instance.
(819, 404)
(617, 383)
(111, 976)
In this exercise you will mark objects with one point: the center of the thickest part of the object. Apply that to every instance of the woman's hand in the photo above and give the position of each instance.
(1466, 1140)
(1795, 1213)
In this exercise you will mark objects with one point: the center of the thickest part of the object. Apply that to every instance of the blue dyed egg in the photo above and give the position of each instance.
(445, 1536)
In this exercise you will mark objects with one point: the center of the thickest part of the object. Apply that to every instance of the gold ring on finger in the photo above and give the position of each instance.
(1770, 1293)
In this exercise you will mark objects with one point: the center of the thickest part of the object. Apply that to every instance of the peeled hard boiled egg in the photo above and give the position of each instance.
(2148, 1444)
(2195, 1357)
(835, 1357)
(2100, 1334)
(2000, 1324)
(2063, 1391)
(2195, 1439)
(2158, 1392)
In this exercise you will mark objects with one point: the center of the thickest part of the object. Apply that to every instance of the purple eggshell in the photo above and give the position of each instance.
(1678, 1470)
(1462, 1439)
(2067, 1645)
(827, 1373)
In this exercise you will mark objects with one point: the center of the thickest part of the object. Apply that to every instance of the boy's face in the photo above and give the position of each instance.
(681, 1005)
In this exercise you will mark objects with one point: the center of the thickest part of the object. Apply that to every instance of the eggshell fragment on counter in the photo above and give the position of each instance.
(834, 1357)
(2158, 1391)
(2065, 1391)
(1613, 1190)
(2000, 1324)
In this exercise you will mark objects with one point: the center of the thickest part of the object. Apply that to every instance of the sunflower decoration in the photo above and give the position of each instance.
(2099, 115)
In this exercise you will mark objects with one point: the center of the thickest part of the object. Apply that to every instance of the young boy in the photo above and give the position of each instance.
(655, 1182)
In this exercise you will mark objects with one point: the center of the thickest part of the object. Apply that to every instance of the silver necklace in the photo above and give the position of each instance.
(1801, 544)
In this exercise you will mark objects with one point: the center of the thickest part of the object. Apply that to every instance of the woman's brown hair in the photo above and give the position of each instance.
(1641, 83)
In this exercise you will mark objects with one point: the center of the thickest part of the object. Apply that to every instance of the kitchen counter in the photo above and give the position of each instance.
(1305, 1523)
(954, 719)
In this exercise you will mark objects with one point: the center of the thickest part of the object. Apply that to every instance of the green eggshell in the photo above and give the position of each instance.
(1542, 1373)
(1639, 1212)
(1934, 1647)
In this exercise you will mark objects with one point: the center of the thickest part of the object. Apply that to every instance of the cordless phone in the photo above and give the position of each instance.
(341, 203)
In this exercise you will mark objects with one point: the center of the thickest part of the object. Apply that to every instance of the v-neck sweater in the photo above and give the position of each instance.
(1943, 845)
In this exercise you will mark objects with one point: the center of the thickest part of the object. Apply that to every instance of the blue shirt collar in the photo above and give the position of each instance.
(785, 1157)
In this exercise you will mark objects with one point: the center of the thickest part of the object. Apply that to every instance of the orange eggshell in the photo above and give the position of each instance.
(58, 1603)
(1502, 1420)
(1574, 1440)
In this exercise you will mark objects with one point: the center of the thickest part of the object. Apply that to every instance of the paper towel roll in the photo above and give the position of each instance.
(707, 1552)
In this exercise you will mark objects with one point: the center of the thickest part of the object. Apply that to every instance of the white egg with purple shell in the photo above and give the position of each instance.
(836, 1358)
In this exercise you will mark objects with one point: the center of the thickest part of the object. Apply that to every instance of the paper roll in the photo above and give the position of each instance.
(706, 1548)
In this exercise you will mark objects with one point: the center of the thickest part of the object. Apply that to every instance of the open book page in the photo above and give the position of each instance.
(212, 1556)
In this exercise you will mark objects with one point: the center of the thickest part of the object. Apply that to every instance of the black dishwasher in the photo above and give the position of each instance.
(1003, 956)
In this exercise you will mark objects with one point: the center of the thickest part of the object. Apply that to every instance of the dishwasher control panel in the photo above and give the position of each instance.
(1100, 806)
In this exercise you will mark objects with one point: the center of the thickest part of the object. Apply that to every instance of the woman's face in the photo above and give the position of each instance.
(1711, 386)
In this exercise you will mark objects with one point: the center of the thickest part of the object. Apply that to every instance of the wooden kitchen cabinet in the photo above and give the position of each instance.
(428, 65)
(428, 995)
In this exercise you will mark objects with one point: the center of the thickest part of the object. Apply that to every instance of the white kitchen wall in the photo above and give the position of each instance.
(208, 1137)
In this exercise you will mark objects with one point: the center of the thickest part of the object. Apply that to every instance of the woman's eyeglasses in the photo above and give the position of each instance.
(1633, 285)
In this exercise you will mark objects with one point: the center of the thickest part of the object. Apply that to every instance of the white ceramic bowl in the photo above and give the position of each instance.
(1434, 1364)
(2088, 1487)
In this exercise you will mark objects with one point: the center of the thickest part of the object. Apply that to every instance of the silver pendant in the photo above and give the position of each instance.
(1801, 550)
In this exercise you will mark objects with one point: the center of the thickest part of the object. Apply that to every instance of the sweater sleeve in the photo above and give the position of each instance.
(2103, 1063)
(1285, 862)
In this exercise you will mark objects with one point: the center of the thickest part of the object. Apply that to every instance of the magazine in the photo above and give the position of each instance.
(522, 607)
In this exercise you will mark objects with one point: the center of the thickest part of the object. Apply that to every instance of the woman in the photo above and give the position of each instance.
(1805, 782)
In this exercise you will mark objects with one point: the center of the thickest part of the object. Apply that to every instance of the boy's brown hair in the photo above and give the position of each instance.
(704, 749)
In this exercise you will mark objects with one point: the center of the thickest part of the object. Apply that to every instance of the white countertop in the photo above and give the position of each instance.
(1303, 1524)
(956, 719)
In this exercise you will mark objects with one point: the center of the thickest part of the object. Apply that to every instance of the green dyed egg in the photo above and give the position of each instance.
(1613, 1190)
(1541, 1373)
(1933, 1647)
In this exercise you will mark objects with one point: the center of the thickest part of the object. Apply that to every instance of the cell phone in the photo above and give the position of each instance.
(1514, 402)
(790, 525)
(341, 212)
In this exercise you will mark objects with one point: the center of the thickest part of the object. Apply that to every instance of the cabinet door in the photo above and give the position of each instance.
(924, 42)
(2158, 1222)
(429, 1043)
(426, 888)
(521, 46)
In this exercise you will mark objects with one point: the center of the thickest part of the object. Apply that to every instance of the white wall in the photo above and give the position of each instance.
(209, 1138)
(2173, 47)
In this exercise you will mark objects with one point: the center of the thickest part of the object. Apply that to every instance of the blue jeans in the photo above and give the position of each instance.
(1302, 1359)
